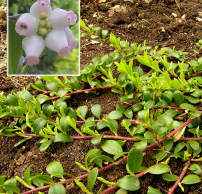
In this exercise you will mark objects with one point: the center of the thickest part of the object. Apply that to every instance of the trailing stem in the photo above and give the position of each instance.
(180, 177)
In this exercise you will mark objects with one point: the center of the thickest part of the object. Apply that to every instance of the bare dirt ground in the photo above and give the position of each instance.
(161, 23)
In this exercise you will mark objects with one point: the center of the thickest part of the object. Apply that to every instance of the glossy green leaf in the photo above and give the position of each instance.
(39, 84)
(159, 169)
(92, 178)
(141, 145)
(48, 110)
(179, 147)
(195, 168)
(191, 179)
(96, 110)
(112, 147)
(120, 108)
(188, 107)
(129, 182)
(169, 177)
(38, 125)
(162, 104)
(64, 107)
(97, 140)
(52, 86)
(129, 114)
(55, 169)
(57, 189)
(179, 97)
(153, 191)
(134, 160)
(82, 111)
(149, 104)
(101, 125)
(12, 100)
(194, 144)
(160, 156)
(64, 125)
(62, 137)
(45, 145)
(137, 107)
(26, 95)
(114, 115)
(168, 144)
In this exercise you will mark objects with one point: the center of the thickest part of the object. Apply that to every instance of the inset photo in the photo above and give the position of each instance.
(43, 37)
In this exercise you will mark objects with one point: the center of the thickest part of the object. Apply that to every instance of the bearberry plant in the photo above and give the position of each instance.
(164, 90)
(42, 30)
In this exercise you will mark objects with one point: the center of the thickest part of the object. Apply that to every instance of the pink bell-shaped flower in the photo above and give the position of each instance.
(33, 47)
(41, 6)
(56, 40)
(70, 38)
(61, 19)
(27, 25)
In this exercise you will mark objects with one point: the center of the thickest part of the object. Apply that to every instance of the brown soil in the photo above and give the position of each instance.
(160, 23)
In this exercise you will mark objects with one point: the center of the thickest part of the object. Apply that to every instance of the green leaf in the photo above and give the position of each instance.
(188, 107)
(63, 92)
(141, 145)
(63, 124)
(48, 110)
(114, 115)
(153, 191)
(104, 33)
(45, 145)
(83, 111)
(112, 147)
(129, 182)
(149, 104)
(75, 83)
(27, 175)
(194, 145)
(113, 125)
(168, 144)
(55, 169)
(42, 98)
(159, 169)
(191, 179)
(52, 86)
(82, 186)
(26, 96)
(62, 105)
(14, 48)
(169, 177)
(62, 137)
(13, 100)
(89, 154)
(179, 97)
(120, 108)
(38, 125)
(129, 114)
(160, 156)
(96, 110)
(195, 168)
(39, 84)
(179, 147)
(97, 140)
(101, 125)
(162, 104)
(57, 189)
(134, 160)
(92, 178)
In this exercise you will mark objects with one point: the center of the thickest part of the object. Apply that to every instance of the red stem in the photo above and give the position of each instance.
(112, 165)
(180, 177)
(80, 91)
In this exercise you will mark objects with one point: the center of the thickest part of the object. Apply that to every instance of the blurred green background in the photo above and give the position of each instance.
(51, 63)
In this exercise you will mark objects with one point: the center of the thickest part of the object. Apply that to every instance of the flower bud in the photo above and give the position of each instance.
(39, 7)
(61, 19)
(56, 40)
(43, 31)
(33, 47)
(70, 38)
(42, 23)
(26, 25)
(43, 16)
(49, 25)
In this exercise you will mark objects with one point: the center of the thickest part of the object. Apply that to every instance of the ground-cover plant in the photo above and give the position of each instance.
(39, 32)
(163, 87)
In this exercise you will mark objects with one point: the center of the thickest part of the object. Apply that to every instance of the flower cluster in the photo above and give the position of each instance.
(44, 27)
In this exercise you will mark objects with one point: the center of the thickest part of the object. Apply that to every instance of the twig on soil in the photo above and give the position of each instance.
(180, 177)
